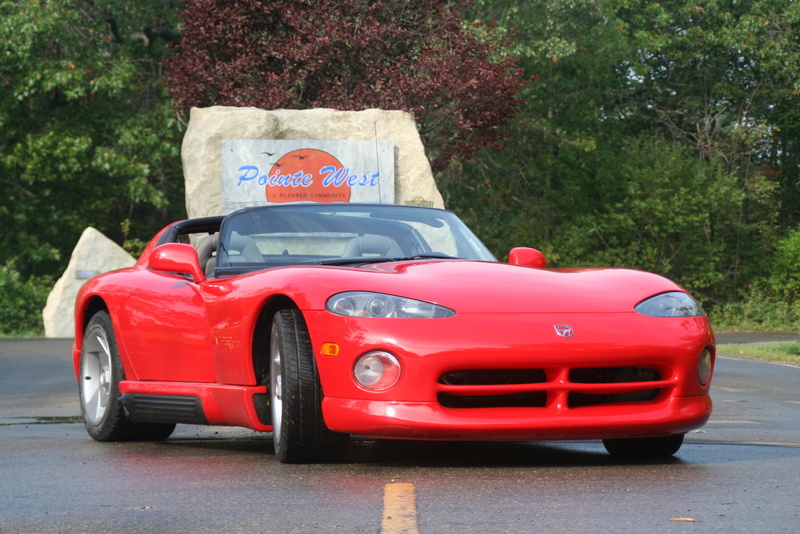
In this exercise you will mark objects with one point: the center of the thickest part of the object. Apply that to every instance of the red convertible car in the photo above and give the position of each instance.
(316, 321)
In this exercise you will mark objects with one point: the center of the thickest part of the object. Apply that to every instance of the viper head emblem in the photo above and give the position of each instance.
(564, 330)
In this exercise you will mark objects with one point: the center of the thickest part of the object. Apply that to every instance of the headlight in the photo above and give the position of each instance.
(368, 304)
(672, 304)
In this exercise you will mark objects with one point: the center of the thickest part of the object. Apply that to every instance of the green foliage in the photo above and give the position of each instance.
(723, 78)
(21, 302)
(771, 301)
(756, 309)
(675, 215)
(659, 135)
(784, 269)
(87, 135)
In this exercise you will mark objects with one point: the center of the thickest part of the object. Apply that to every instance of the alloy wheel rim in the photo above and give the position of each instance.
(275, 386)
(96, 376)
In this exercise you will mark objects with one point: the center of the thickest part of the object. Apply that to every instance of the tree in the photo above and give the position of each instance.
(657, 135)
(414, 55)
(87, 136)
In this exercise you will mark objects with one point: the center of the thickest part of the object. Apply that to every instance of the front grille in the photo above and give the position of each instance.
(493, 376)
(612, 375)
(539, 388)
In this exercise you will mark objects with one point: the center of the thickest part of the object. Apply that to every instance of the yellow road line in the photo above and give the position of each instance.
(399, 509)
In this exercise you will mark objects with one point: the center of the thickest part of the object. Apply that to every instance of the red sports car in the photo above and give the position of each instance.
(316, 321)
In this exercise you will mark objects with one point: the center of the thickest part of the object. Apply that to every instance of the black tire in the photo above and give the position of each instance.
(100, 374)
(299, 432)
(644, 448)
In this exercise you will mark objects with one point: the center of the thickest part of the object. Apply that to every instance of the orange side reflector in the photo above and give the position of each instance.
(330, 349)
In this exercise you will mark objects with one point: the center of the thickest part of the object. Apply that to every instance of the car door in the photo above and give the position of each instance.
(163, 328)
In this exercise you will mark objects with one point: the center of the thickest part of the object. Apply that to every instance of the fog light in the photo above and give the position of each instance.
(704, 367)
(377, 370)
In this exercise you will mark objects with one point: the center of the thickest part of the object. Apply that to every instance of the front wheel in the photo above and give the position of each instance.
(101, 372)
(644, 448)
(299, 432)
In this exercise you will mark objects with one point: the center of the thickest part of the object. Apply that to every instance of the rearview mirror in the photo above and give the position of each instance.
(527, 257)
(177, 258)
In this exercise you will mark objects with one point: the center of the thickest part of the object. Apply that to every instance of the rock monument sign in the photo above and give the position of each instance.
(228, 150)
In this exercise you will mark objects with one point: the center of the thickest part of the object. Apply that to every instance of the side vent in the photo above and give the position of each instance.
(163, 409)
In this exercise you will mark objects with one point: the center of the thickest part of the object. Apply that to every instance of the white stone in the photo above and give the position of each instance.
(202, 144)
(94, 254)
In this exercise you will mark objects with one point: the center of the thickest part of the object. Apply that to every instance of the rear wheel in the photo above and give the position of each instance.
(101, 372)
(299, 432)
(643, 448)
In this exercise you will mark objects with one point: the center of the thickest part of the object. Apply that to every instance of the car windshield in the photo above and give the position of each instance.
(341, 234)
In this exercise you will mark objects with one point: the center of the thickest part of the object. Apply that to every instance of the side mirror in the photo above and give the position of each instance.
(177, 258)
(527, 257)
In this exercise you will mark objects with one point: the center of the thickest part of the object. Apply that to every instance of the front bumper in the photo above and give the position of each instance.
(388, 419)
(619, 375)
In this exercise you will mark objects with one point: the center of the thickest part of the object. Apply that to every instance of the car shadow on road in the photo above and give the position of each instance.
(251, 446)
(489, 454)
(404, 453)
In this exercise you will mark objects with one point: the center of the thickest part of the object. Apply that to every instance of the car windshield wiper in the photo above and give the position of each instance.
(384, 259)
(427, 256)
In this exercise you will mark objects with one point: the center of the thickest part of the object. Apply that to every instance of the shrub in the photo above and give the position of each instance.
(784, 279)
(758, 309)
(21, 302)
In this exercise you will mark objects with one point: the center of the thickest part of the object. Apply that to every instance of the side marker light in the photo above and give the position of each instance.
(330, 349)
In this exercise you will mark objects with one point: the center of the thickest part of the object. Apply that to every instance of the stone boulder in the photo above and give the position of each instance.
(202, 147)
(94, 254)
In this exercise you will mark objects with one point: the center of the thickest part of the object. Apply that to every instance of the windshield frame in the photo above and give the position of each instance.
(245, 234)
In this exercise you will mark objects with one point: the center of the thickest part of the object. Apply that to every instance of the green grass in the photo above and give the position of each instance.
(776, 352)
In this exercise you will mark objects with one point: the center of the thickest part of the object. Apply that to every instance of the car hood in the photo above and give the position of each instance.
(490, 287)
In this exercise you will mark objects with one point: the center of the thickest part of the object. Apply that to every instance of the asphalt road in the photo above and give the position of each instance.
(738, 474)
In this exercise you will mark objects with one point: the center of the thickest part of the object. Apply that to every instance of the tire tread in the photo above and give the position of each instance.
(304, 438)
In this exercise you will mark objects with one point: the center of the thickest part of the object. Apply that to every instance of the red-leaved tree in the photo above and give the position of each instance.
(413, 55)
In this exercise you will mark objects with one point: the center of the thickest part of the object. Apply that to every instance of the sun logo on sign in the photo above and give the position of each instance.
(302, 176)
